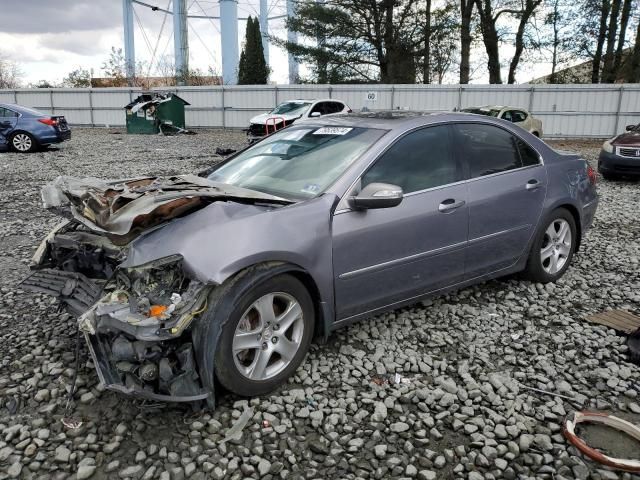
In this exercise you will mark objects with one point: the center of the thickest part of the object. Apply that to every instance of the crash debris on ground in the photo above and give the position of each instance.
(487, 375)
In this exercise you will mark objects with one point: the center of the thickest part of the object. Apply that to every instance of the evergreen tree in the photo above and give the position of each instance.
(252, 69)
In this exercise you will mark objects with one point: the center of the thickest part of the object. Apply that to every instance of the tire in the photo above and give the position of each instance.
(239, 370)
(551, 255)
(23, 142)
(609, 176)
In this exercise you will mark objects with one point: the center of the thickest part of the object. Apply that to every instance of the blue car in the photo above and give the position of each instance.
(24, 129)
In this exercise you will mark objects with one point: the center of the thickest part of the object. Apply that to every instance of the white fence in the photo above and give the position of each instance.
(565, 110)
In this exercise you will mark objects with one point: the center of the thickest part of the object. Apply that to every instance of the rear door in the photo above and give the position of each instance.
(507, 187)
(383, 256)
(8, 121)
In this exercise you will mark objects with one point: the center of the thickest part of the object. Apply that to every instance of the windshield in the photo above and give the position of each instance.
(297, 163)
(482, 111)
(291, 108)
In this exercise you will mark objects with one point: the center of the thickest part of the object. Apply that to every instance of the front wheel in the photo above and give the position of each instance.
(266, 336)
(23, 142)
(553, 248)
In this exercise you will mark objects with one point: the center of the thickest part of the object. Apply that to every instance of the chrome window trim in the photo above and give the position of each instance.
(400, 261)
(344, 208)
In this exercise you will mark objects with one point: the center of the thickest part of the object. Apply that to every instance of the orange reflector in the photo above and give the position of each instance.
(157, 310)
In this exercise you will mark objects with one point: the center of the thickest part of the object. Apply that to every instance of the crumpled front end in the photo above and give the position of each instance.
(139, 332)
(137, 321)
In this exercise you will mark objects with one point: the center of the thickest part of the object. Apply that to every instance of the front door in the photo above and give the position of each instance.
(384, 256)
(507, 188)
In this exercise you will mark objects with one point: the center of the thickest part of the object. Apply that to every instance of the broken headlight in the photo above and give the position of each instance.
(152, 301)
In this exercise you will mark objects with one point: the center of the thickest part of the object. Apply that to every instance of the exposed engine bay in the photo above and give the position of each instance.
(136, 321)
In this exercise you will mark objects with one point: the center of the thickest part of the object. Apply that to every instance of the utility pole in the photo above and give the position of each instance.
(292, 37)
(129, 44)
(180, 41)
(264, 27)
(229, 38)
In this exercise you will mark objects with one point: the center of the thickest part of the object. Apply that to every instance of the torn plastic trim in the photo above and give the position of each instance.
(119, 309)
(574, 418)
(41, 251)
(110, 380)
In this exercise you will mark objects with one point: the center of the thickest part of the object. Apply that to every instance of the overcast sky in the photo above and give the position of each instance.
(50, 38)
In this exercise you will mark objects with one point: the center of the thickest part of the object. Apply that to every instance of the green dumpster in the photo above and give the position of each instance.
(156, 112)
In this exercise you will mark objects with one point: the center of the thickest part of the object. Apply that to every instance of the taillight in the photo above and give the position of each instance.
(52, 122)
(591, 173)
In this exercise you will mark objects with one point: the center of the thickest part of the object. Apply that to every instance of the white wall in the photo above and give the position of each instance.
(565, 110)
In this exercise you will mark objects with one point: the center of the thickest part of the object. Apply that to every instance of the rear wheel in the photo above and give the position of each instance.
(266, 337)
(553, 248)
(23, 142)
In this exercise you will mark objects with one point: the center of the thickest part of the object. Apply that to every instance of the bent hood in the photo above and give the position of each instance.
(262, 119)
(123, 209)
(631, 139)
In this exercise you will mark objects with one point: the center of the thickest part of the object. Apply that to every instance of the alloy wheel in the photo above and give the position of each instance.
(556, 246)
(22, 142)
(268, 336)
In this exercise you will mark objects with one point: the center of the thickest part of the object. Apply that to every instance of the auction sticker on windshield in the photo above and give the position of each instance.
(332, 131)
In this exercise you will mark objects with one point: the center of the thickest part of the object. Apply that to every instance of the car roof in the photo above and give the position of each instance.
(312, 100)
(21, 109)
(394, 119)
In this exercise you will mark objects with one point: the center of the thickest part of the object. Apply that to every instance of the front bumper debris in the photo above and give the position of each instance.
(137, 322)
(74, 290)
(180, 381)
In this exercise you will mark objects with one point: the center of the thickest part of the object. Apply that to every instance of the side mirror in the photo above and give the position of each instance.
(630, 127)
(377, 195)
(315, 114)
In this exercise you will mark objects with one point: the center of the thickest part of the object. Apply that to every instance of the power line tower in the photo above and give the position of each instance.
(228, 21)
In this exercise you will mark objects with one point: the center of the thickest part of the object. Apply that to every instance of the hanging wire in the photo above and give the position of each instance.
(210, 19)
(195, 32)
(155, 49)
(144, 34)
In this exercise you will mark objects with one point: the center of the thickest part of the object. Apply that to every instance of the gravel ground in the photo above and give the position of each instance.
(461, 410)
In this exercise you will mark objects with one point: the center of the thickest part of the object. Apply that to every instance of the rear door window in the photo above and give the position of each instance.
(6, 113)
(420, 160)
(486, 149)
(518, 116)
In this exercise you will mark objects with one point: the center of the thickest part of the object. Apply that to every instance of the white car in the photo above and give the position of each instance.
(288, 112)
(519, 116)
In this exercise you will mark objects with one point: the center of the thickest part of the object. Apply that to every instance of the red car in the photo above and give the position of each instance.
(621, 155)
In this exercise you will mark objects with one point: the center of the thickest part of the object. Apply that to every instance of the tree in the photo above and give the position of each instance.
(115, 65)
(253, 69)
(43, 84)
(633, 72)
(489, 12)
(362, 40)
(10, 73)
(466, 13)
(78, 78)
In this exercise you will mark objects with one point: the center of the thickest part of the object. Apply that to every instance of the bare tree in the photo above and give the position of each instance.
(466, 13)
(633, 72)
(490, 12)
(10, 73)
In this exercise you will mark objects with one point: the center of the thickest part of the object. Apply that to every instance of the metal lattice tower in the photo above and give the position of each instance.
(228, 20)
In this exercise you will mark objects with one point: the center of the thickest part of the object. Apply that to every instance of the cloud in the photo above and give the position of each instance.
(36, 16)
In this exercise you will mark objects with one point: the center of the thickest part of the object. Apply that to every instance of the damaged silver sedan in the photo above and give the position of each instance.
(181, 282)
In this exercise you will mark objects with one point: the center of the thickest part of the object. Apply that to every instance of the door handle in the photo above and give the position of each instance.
(533, 184)
(449, 205)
